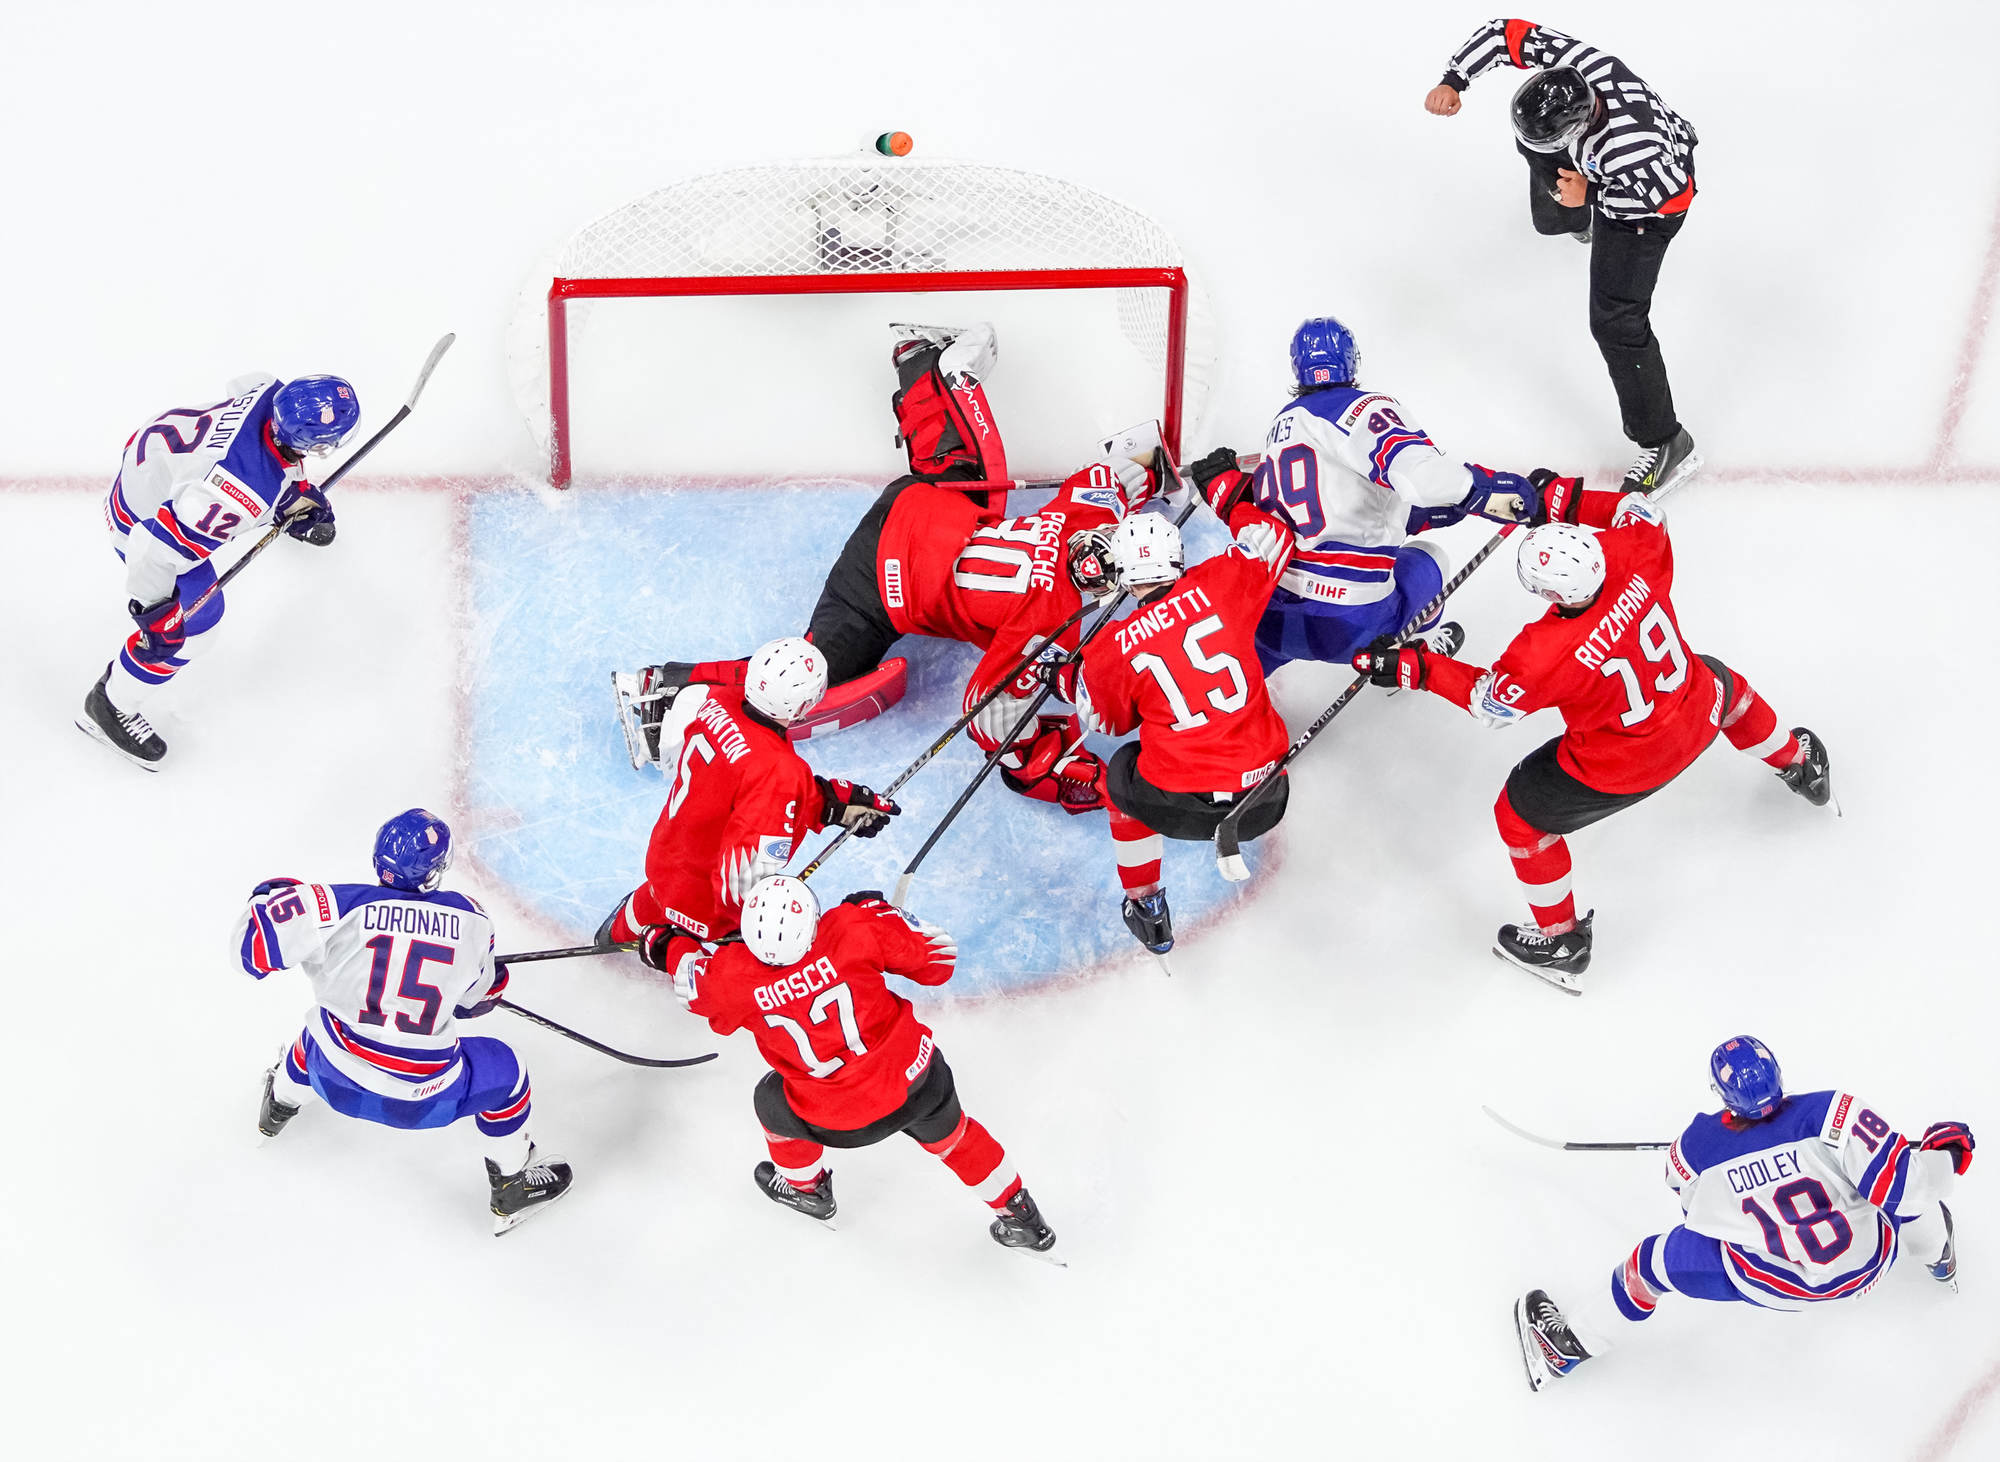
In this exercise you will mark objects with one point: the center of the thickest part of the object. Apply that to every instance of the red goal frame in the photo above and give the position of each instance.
(1173, 280)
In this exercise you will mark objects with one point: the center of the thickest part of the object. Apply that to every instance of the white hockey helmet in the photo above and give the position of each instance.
(786, 679)
(780, 919)
(1146, 550)
(1561, 563)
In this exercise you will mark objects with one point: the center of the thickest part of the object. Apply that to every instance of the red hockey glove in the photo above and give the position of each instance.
(1562, 497)
(1387, 665)
(1952, 1137)
(851, 805)
(1057, 670)
(162, 628)
(1221, 483)
(1090, 562)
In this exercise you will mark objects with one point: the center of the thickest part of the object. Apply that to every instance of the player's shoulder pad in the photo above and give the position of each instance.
(1837, 1111)
(1636, 507)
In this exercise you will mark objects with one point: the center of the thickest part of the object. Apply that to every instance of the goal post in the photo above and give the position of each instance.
(883, 226)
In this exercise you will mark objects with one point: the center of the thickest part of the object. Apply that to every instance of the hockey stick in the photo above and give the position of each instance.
(599, 1046)
(1228, 839)
(423, 376)
(529, 956)
(1523, 1132)
(1021, 725)
(950, 732)
(1246, 463)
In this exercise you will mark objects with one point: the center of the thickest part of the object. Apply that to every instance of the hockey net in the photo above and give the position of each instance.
(1096, 310)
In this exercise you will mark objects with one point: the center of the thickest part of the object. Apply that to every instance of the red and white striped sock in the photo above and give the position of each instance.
(1541, 862)
(979, 1161)
(798, 1162)
(1752, 726)
(1138, 850)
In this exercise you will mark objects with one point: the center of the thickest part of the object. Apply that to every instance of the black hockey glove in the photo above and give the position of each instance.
(1390, 665)
(1221, 483)
(1562, 497)
(851, 805)
(1055, 668)
(307, 515)
(657, 946)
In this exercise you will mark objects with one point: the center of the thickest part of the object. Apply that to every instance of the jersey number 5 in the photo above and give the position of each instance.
(1660, 645)
(839, 999)
(1186, 718)
(697, 745)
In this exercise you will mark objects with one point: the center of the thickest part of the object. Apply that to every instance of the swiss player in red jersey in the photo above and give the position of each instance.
(1182, 670)
(1638, 707)
(741, 798)
(850, 1062)
(932, 558)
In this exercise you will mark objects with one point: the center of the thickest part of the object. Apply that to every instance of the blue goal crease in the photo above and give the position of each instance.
(564, 594)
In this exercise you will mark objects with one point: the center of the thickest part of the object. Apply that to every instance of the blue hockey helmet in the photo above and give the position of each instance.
(1746, 1077)
(1324, 354)
(412, 850)
(314, 414)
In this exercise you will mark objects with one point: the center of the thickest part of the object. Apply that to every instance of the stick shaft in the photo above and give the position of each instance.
(1561, 1146)
(583, 1040)
(574, 951)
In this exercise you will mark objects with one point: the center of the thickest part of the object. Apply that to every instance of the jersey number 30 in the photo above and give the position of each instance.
(1660, 645)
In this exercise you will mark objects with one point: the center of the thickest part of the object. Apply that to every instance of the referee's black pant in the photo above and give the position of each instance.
(1624, 266)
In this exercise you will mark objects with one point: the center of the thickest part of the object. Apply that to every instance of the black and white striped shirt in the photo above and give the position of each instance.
(1640, 161)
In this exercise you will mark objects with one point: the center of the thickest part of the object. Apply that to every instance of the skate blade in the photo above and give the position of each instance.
(1563, 980)
(1531, 1358)
(625, 693)
(1679, 478)
(507, 1223)
(1166, 965)
(96, 733)
(1044, 1256)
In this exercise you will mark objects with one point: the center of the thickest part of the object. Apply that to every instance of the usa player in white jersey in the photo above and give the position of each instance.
(1790, 1201)
(1357, 478)
(394, 966)
(192, 479)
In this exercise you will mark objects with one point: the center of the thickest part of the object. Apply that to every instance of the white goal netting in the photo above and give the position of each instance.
(1075, 354)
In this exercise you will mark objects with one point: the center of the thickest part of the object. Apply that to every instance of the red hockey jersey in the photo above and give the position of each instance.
(960, 572)
(846, 1045)
(741, 800)
(1637, 705)
(1183, 672)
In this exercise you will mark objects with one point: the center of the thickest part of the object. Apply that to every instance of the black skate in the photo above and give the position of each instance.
(1657, 471)
(1557, 958)
(1020, 1225)
(1945, 1271)
(814, 1202)
(131, 736)
(1808, 776)
(1549, 1348)
(517, 1196)
(272, 1114)
(1152, 924)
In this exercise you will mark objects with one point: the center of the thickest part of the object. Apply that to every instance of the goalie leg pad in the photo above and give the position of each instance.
(854, 701)
(947, 427)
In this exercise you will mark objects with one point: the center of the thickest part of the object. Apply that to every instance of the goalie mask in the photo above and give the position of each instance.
(785, 679)
(780, 920)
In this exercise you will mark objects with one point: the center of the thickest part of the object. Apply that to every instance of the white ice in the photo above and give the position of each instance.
(1290, 1232)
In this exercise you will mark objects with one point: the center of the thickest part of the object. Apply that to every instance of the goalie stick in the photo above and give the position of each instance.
(423, 376)
(1560, 1146)
(583, 1040)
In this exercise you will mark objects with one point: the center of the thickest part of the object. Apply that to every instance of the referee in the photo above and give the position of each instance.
(1611, 165)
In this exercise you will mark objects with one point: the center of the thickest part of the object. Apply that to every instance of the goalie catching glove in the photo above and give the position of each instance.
(855, 807)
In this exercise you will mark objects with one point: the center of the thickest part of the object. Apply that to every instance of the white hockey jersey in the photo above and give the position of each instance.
(391, 972)
(1807, 1203)
(1347, 467)
(192, 479)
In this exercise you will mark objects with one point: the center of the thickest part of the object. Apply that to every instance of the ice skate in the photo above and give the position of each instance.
(643, 696)
(1152, 924)
(1945, 1271)
(1557, 958)
(1808, 775)
(517, 1196)
(814, 1202)
(130, 735)
(966, 354)
(1549, 1349)
(1020, 1226)
(1657, 471)
(272, 1114)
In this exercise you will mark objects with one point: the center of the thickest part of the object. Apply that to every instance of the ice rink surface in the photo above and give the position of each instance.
(1290, 1231)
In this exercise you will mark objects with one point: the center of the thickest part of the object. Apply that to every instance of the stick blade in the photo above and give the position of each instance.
(430, 364)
